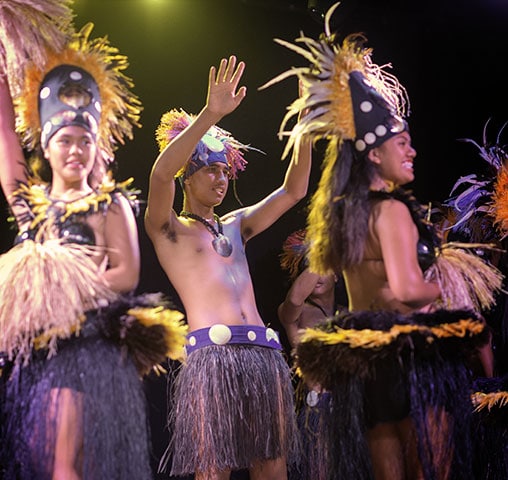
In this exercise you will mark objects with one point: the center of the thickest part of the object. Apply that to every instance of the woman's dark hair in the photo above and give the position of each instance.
(339, 210)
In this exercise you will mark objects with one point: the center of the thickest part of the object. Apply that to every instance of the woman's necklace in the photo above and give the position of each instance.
(221, 244)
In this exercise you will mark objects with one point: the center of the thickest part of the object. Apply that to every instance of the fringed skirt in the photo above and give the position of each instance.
(313, 410)
(86, 401)
(490, 421)
(384, 367)
(234, 405)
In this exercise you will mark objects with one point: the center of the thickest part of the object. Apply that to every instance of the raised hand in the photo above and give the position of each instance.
(223, 96)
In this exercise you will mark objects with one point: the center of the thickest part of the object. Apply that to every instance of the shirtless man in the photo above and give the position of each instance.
(234, 369)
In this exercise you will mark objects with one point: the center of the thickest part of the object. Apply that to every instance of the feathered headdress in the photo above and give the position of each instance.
(294, 250)
(480, 209)
(217, 145)
(343, 93)
(29, 29)
(348, 100)
(119, 107)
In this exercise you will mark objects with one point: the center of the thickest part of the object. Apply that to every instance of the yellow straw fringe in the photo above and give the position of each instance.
(37, 197)
(46, 289)
(466, 280)
(120, 107)
(368, 338)
(172, 321)
(489, 401)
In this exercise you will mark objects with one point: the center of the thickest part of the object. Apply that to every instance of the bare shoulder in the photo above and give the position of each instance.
(120, 211)
(121, 202)
(235, 215)
(390, 208)
(233, 220)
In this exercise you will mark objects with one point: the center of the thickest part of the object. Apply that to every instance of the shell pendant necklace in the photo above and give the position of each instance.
(221, 244)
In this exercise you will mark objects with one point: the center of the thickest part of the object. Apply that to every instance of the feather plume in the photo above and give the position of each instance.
(29, 29)
(500, 202)
(119, 106)
(173, 122)
(466, 281)
(293, 253)
(481, 205)
(489, 401)
(326, 97)
(175, 330)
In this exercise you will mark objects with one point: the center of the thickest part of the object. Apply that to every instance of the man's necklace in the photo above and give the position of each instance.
(221, 244)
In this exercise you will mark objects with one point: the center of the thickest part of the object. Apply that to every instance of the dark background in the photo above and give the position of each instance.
(449, 54)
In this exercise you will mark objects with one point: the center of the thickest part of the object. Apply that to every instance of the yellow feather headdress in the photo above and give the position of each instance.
(344, 94)
(120, 108)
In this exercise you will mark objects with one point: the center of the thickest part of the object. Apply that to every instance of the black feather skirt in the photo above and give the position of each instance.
(381, 366)
(95, 378)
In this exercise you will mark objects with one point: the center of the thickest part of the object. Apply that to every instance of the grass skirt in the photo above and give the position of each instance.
(233, 406)
(313, 410)
(490, 422)
(105, 386)
(363, 357)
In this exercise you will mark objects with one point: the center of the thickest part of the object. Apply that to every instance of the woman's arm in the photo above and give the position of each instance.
(121, 235)
(398, 238)
(13, 167)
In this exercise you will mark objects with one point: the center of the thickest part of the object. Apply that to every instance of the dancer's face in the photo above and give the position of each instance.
(395, 159)
(71, 153)
(209, 184)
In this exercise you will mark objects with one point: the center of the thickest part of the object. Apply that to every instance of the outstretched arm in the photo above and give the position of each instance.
(296, 182)
(223, 97)
(13, 167)
(263, 214)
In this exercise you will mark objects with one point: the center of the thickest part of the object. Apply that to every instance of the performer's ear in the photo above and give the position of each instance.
(373, 156)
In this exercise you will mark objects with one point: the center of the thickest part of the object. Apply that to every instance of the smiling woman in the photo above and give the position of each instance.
(387, 361)
(74, 340)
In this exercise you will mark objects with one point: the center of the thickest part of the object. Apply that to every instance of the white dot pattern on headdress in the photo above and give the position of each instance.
(44, 93)
(370, 138)
(360, 145)
(381, 130)
(75, 75)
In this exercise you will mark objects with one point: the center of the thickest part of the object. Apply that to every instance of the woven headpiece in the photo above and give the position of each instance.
(344, 94)
(92, 64)
(217, 145)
